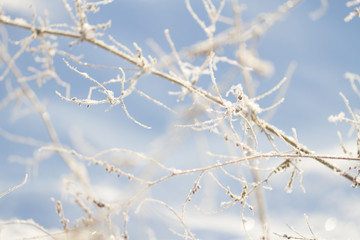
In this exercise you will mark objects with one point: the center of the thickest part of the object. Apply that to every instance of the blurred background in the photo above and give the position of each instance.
(323, 50)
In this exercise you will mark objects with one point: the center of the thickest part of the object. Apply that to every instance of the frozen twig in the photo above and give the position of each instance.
(59, 210)
(355, 119)
(270, 91)
(186, 228)
(141, 93)
(354, 13)
(16, 187)
(354, 81)
(108, 167)
(299, 235)
(195, 188)
(268, 127)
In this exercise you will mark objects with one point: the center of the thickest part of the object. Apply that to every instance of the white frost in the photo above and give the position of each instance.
(337, 118)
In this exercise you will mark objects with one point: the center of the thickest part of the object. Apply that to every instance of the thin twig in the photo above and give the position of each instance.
(16, 187)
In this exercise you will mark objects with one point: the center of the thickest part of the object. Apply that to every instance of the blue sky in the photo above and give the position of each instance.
(323, 51)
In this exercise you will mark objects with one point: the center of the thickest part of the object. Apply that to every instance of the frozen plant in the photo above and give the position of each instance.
(150, 189)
